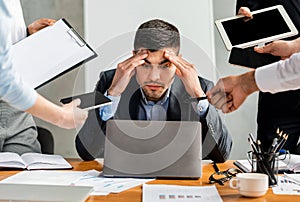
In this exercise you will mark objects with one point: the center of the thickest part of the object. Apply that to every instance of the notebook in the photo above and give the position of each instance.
(167, 149)
(33, 161)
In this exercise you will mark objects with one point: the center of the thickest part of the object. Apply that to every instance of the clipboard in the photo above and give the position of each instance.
(50, 53)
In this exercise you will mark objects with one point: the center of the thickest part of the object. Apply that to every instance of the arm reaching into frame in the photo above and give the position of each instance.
(230, 92)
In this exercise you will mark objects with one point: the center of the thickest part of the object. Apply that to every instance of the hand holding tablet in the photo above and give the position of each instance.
(89, 101)
(267, 25)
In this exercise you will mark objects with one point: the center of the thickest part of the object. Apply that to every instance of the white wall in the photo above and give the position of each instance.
(242, 121)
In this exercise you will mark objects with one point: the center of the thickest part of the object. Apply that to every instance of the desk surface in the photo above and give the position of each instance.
(135, 194)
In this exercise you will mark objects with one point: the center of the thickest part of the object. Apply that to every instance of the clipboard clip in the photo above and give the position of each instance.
(76, 37)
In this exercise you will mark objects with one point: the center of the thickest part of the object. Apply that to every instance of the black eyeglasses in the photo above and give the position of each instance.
(222, 176)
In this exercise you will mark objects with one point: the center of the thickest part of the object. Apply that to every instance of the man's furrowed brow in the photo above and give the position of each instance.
(164, 61)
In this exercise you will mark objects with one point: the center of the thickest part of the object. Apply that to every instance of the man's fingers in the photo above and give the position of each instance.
(215, 97)
(265, 49)
(137, 57)
(75, 102)
(51, 22)
(245, 11)
(228, 107)
(177, 61)
(218, 88)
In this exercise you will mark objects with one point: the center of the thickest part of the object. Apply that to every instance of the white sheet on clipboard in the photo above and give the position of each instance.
(49, 53)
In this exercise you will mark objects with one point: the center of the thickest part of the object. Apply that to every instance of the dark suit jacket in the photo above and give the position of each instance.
(217, 141)
(280, 110)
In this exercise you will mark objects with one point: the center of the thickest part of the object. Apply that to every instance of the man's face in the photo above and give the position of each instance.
(156, 75)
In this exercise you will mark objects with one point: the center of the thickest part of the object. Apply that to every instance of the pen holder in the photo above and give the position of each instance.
(266, 163)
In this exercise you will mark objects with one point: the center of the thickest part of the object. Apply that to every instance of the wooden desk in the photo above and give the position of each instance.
(135, 194)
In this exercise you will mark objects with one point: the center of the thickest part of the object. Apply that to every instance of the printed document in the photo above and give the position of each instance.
(164, 193)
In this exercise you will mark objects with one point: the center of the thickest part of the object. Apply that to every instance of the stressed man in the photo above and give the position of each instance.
(155, 83)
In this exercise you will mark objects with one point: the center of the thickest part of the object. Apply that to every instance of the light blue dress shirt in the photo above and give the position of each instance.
(12, 89)
(108, 111)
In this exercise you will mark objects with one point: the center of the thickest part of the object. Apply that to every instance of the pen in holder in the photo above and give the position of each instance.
(266, 163)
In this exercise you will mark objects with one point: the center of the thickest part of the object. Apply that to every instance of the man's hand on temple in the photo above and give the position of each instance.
(124, 73)
(187, 73)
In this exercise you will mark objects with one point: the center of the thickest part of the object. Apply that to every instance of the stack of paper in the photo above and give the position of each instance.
(246, 166)
(100, 184)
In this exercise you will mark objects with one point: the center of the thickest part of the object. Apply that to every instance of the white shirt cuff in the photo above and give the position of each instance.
(266, 78)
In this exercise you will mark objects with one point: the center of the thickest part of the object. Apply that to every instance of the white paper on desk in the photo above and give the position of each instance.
(47, 54)
(161, 193)
(44, 177)
(285, 186)
(103, 185)
(100, 184)
(293, 162)
(247, 165)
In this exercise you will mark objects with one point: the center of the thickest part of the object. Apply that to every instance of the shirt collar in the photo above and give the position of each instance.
(162, 101)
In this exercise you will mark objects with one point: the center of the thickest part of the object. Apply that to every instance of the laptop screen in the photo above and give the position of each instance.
(152, 149)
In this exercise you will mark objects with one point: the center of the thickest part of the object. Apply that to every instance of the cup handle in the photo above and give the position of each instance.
(233, 183)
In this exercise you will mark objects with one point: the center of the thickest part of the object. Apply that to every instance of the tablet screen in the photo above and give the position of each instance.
(266, 24)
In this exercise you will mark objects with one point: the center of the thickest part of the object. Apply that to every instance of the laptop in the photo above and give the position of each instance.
(161, 149)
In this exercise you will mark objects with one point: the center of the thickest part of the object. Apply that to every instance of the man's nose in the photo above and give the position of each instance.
(154, 74)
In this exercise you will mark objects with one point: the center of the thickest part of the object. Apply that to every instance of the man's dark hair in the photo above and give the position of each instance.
(155, 35)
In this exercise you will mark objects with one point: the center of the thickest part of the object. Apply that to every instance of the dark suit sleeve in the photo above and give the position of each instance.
(255, 4)
(216, 140)
(90, 139)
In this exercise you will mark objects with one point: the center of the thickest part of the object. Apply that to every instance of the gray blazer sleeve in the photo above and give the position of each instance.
(216, 140)
(90, 139)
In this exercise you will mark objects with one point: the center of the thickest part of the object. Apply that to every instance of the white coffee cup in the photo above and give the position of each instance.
(250, 184)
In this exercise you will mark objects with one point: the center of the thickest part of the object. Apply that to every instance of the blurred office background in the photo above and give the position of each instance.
(108, 27)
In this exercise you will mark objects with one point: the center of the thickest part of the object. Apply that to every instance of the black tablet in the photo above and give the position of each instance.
(247, 57)
(267, 25)
(89, 100)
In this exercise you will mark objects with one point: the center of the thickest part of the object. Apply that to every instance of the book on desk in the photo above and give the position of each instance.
(33, 161)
